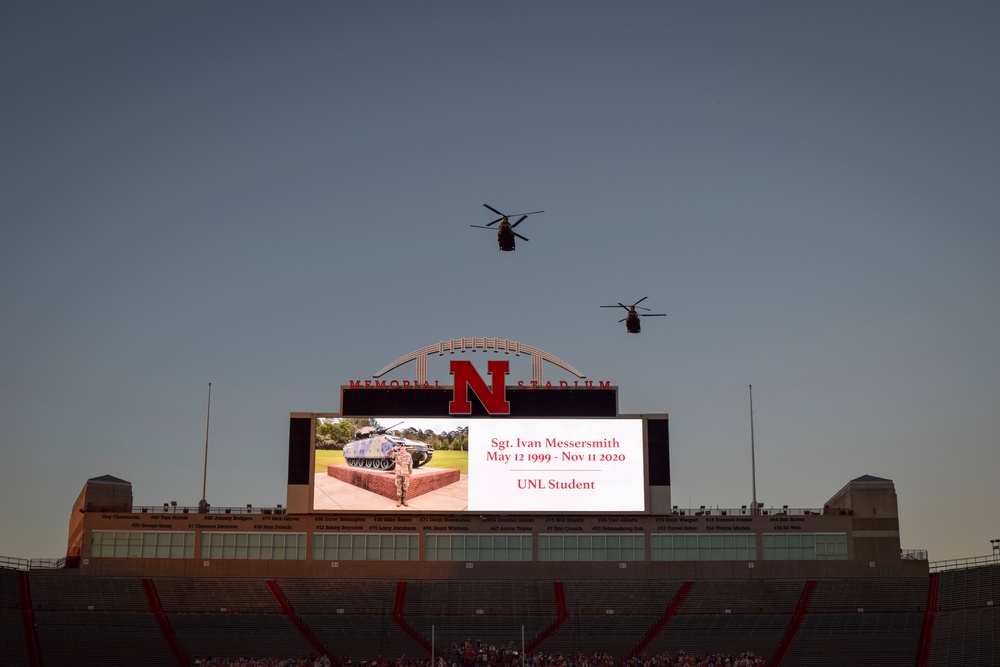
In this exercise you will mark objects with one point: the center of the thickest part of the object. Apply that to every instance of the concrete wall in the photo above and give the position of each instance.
(94, 496)
(479, 570)
(873, 545)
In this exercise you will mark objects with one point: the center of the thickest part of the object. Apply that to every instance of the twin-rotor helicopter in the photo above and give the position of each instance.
(505, 239)
(631, 320)
(505, 232)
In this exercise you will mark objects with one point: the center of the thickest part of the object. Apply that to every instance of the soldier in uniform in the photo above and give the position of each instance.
(404, 468)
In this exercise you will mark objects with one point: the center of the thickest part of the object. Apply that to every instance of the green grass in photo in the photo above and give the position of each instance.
(449, 459)
(328, 457)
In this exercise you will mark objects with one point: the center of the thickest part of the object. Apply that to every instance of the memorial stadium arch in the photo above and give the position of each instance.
(473, 344)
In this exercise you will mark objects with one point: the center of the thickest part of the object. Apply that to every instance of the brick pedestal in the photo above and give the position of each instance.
(383, 483)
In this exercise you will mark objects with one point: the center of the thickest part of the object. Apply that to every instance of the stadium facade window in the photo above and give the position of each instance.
(737, 546)
(805, 546)
(139, 544)
(591, 547)
(366, 546)
(253, 546)
(478, 547)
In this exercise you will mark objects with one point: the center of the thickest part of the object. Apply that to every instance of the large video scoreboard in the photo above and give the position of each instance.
(557, 450)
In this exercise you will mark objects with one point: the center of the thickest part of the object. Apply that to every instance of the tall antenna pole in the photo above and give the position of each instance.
(203, 504)
(753, 459)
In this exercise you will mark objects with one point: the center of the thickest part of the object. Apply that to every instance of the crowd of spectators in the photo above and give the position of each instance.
(264, 662)
(481, 654)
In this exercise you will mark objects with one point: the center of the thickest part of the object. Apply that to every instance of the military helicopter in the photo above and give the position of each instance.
(505, 232)
(632, 319)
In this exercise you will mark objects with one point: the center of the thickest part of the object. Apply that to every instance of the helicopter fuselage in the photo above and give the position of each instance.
(632, 322)
(505, 236)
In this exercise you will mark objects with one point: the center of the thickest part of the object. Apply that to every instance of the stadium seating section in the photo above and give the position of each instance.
(83, 620)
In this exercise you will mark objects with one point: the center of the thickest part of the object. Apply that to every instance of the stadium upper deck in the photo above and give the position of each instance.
(854, 534)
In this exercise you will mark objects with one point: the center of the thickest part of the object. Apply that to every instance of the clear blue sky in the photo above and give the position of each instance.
(276, 198)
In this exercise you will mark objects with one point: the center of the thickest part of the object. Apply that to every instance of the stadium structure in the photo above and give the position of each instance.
(551, 525)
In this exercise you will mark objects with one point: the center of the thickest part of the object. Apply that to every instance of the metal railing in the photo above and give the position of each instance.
(964, 563)
(10, 563)
(679, 511)
(180, 509)
(745, 511)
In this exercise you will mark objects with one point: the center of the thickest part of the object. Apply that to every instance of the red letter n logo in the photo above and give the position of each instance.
(495, 400)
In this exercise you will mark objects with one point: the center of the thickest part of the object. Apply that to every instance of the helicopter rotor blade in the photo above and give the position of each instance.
(518, 236)
(641, 308)
(526, 214)
(640, 301)
(495, 221)
(523, 218)
(653, 315)
(492, 209)
(481, 227)
(623, 319)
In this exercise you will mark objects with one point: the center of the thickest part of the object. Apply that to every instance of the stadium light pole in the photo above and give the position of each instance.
(754, 510)
(203, 504)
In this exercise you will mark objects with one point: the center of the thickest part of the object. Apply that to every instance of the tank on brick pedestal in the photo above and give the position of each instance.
(371, 446)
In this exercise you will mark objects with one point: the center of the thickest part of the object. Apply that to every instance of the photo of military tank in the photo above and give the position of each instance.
(371, 446)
